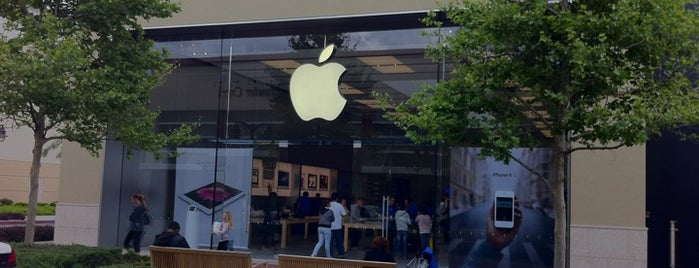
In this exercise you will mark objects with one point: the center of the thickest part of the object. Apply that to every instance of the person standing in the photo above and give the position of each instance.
(324, 233)
(343, 202)
(271, 219)
(424, 224)
(133, 238)
(402, 224)
(392, 209)
(444, 218)
(303, 206)
(412, 208)
(224, 242)
(316, 204)
(338, 238)
(356, 216)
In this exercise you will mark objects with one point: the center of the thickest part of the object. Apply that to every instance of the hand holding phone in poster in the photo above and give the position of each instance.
(501, 237)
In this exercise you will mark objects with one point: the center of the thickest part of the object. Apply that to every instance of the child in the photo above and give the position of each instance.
(424, 223)
(222, 232)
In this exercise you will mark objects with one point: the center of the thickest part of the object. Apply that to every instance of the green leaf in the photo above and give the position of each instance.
(326, 53)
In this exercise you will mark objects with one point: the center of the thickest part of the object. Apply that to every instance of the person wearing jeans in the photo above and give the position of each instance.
(338, 237)
(324, 233)
(424, 224)
(402, 219)
(133, 238)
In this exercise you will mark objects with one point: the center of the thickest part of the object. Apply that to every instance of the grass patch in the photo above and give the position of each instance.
(76, 256)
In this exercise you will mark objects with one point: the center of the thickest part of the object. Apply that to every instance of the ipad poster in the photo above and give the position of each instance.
(205, 187)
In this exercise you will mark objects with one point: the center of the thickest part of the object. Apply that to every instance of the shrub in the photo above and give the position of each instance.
(136, 265)
(22, 208)
(76, 256)
(16, 233)
(13, 209)
(46, 210)
(5, 202)
(11, 216)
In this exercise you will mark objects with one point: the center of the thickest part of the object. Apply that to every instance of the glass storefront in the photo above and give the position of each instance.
(234, 82)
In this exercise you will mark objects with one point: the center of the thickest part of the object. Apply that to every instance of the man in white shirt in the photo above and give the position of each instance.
(338, 238)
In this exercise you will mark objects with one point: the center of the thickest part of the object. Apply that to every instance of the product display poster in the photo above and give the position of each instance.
(501, 215)
(204, 188)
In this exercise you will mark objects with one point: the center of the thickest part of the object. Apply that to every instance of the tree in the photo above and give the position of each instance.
(585, 75)
(82, 71)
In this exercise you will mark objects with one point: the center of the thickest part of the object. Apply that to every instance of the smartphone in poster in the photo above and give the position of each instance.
(500, 214)
(204, 188)
(504, 212)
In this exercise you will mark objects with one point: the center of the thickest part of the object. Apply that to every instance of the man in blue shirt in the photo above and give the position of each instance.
(392, 209)
(303, 206)
(411, 207)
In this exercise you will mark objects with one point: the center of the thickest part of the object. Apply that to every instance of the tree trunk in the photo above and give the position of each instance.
(558, 186)
(33, 188)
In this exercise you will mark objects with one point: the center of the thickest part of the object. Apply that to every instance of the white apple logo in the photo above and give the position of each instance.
(314, 89)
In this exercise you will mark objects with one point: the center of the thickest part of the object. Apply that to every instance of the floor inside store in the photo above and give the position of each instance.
(297, 245)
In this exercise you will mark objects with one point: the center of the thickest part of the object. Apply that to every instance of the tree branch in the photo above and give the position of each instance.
(33, 114)
(52, 125)
(594, 148)
(536, 113)
(60, 137)
(528, 168)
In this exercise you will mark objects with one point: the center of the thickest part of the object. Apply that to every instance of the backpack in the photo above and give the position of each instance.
(146, 218)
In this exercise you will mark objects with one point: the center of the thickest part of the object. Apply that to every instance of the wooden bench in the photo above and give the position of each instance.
(167, 257)
(296, 261)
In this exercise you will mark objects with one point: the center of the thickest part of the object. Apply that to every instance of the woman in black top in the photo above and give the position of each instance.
(133, 238)
(324, 233)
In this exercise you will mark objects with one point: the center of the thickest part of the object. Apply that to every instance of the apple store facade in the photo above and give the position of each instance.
(234, 80)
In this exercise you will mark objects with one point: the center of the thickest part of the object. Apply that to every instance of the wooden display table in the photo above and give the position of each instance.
(374, 225)
(289, 221)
